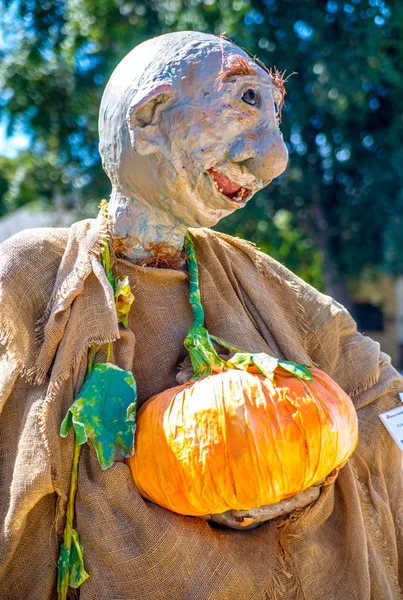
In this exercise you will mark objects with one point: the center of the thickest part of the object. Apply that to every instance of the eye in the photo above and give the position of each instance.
(250, 97)
(276, 107)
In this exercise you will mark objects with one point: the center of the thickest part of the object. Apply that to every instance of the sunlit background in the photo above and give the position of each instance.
(335, 217)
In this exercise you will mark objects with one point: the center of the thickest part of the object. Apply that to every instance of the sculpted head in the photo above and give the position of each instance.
(189, 132)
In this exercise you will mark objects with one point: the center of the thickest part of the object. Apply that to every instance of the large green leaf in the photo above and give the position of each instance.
(71, 562)
(105, 412)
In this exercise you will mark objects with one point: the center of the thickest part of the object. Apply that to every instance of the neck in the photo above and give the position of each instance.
(141, 232)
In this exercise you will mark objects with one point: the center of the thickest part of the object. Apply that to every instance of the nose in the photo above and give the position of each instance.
(265, 156)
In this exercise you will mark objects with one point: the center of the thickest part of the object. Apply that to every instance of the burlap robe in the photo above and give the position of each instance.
(55, 303)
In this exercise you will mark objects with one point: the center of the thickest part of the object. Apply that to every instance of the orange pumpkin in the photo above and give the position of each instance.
(233, 441)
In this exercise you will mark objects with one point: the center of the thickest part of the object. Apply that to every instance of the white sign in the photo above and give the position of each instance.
(393, 421)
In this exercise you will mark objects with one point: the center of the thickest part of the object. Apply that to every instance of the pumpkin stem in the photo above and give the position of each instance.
(203, 355)
(198, 342)
(194, 289)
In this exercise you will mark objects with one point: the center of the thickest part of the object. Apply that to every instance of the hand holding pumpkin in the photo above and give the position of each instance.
(242, 434)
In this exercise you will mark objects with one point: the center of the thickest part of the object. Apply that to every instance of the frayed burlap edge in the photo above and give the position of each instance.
(35, 374)
(63, 293)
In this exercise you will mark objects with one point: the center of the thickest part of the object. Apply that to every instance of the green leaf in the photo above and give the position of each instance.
(267, 365)
(63, 570)
(77, 572)
(264, 363)
(71, 562)
(66, 424)
(300, 371)
(123, 299)
(105, 412)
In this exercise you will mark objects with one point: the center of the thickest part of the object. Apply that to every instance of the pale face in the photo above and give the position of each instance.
(220, 144)
(189, 133)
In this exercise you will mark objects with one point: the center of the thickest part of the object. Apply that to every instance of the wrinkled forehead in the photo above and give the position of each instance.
(216, 62)
(185, 59)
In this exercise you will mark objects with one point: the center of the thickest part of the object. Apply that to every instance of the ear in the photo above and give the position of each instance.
(143, 117)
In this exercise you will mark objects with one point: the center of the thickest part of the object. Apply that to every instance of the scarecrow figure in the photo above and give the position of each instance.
(189, 131)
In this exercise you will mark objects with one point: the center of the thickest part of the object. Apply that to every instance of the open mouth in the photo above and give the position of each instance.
(231, 190)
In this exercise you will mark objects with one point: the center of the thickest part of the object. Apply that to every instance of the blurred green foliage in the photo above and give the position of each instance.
(337, 210)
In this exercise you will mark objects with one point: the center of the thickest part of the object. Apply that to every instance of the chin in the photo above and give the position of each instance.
(208, 217)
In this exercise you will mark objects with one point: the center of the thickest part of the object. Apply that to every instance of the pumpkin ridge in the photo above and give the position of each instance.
(220, 410)
(249, 405)
(335, 421)
(274, 445)
(252, 436)
(302, 432)
(230, 468)
(313, 478)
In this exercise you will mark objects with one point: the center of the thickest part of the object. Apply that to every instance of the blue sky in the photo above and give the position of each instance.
(11, 146)
(9, 31)
(13, 30)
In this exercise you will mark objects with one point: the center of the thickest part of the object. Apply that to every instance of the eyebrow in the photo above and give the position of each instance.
(239, 65)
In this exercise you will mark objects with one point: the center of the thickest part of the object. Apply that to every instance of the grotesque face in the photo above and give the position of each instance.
(190, 125)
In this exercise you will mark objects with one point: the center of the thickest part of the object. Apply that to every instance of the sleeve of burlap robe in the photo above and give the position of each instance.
(366, 374)
(28, 267)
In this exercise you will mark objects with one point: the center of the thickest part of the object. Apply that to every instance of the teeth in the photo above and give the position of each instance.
(239, 195)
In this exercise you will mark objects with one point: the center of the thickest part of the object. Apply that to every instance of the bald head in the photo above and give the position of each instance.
(189, 124)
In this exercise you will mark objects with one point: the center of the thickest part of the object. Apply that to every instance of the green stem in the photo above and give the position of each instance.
(91, 358)
(68, 529)
(194, 290)
(106, 263)
(106, 256)
(224, 344)
(63, 584)
(108, 351)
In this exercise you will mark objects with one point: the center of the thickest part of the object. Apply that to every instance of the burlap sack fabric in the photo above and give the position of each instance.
(55, 303)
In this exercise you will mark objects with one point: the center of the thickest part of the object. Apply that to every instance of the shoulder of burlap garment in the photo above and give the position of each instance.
(55, 302)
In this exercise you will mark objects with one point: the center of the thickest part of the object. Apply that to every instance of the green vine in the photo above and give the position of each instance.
(199, 343)
(103, 412)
